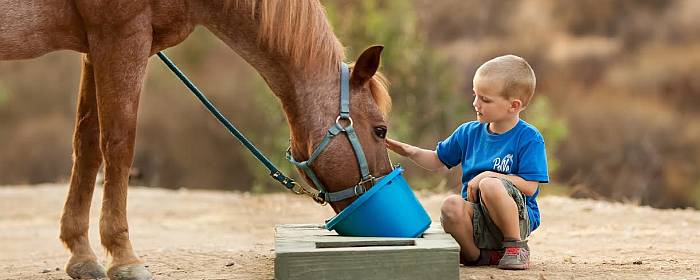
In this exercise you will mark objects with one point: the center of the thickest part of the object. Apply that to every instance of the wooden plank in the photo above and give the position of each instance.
(311, 252)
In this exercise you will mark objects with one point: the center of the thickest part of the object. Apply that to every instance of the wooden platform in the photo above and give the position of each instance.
(307, 251)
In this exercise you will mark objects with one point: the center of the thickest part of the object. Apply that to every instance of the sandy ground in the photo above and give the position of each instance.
(225, 235)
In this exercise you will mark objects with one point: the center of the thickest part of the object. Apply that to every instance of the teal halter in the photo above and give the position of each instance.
(333, 131)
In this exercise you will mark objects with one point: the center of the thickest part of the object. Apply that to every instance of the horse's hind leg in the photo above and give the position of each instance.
(86, 162)
(120, 66)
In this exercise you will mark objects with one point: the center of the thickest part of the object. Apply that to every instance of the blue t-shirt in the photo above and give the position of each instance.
(519, 151)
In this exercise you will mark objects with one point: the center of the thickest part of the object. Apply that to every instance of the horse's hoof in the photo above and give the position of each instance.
(89, 269)
(130, 272)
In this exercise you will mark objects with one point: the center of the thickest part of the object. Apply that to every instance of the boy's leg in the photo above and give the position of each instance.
(456, 217)
(502, 209)
(506, 208)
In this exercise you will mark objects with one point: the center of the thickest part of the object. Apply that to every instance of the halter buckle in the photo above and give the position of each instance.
(371, 179)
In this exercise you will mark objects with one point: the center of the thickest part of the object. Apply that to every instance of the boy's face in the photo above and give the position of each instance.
(489, 104)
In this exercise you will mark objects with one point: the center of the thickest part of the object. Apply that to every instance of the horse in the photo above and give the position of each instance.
(290, 43)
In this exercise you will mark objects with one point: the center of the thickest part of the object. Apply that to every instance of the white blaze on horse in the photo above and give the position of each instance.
(290, 44)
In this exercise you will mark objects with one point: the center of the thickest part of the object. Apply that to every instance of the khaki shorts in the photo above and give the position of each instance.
(486, 234)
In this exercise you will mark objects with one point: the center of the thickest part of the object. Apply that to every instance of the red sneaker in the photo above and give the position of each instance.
(516, 256)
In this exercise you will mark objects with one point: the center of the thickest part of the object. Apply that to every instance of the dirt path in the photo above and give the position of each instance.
(224, 235)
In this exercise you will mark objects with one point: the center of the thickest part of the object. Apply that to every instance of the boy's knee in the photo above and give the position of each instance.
(452, 209)
(490, 187)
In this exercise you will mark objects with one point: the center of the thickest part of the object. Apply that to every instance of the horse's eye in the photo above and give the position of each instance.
(380, 131)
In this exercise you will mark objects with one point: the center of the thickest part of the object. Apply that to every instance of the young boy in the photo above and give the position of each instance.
(503, 161)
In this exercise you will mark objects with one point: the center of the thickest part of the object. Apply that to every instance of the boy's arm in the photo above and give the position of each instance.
(526, 187)
(427, 159)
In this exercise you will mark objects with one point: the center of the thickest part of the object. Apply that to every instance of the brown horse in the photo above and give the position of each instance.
(289, 42)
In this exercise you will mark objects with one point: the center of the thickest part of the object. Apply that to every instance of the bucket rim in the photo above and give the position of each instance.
(330, 225)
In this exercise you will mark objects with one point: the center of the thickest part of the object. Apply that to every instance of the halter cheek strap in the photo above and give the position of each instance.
(333, 131)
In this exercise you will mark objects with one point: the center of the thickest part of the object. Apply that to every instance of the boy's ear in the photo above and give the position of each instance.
(367, 65)
(516, 105)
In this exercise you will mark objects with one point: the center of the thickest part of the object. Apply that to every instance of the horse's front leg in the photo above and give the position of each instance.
(86, 162)
(120, 64)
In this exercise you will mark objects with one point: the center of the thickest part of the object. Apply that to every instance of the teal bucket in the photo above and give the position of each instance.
(388, 209)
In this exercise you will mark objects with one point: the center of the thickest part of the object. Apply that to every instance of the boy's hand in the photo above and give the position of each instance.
(427, 159)
(473, 185)
(398, 147)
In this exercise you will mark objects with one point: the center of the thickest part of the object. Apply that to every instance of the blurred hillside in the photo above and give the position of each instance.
(616, 96)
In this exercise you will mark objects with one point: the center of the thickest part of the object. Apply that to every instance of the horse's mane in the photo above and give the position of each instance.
(300, 30)
(297, 29)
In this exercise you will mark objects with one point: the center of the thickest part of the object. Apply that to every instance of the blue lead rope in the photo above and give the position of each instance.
(289, 183)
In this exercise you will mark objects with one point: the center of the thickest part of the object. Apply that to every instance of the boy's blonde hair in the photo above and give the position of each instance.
(517, 76)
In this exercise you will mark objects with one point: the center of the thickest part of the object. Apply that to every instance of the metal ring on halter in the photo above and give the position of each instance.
(357, 193)
(337, 122)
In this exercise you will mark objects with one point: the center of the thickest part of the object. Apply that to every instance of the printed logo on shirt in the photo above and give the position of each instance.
(503, 165)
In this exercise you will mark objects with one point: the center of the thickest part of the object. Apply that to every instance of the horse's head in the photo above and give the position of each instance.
(293, 47)
(327, 140)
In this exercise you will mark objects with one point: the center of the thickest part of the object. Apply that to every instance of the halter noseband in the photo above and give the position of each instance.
(367, 178)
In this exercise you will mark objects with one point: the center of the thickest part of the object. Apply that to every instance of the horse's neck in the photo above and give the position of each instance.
(300, 91)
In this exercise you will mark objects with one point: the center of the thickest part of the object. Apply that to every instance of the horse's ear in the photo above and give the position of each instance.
(366, 65)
